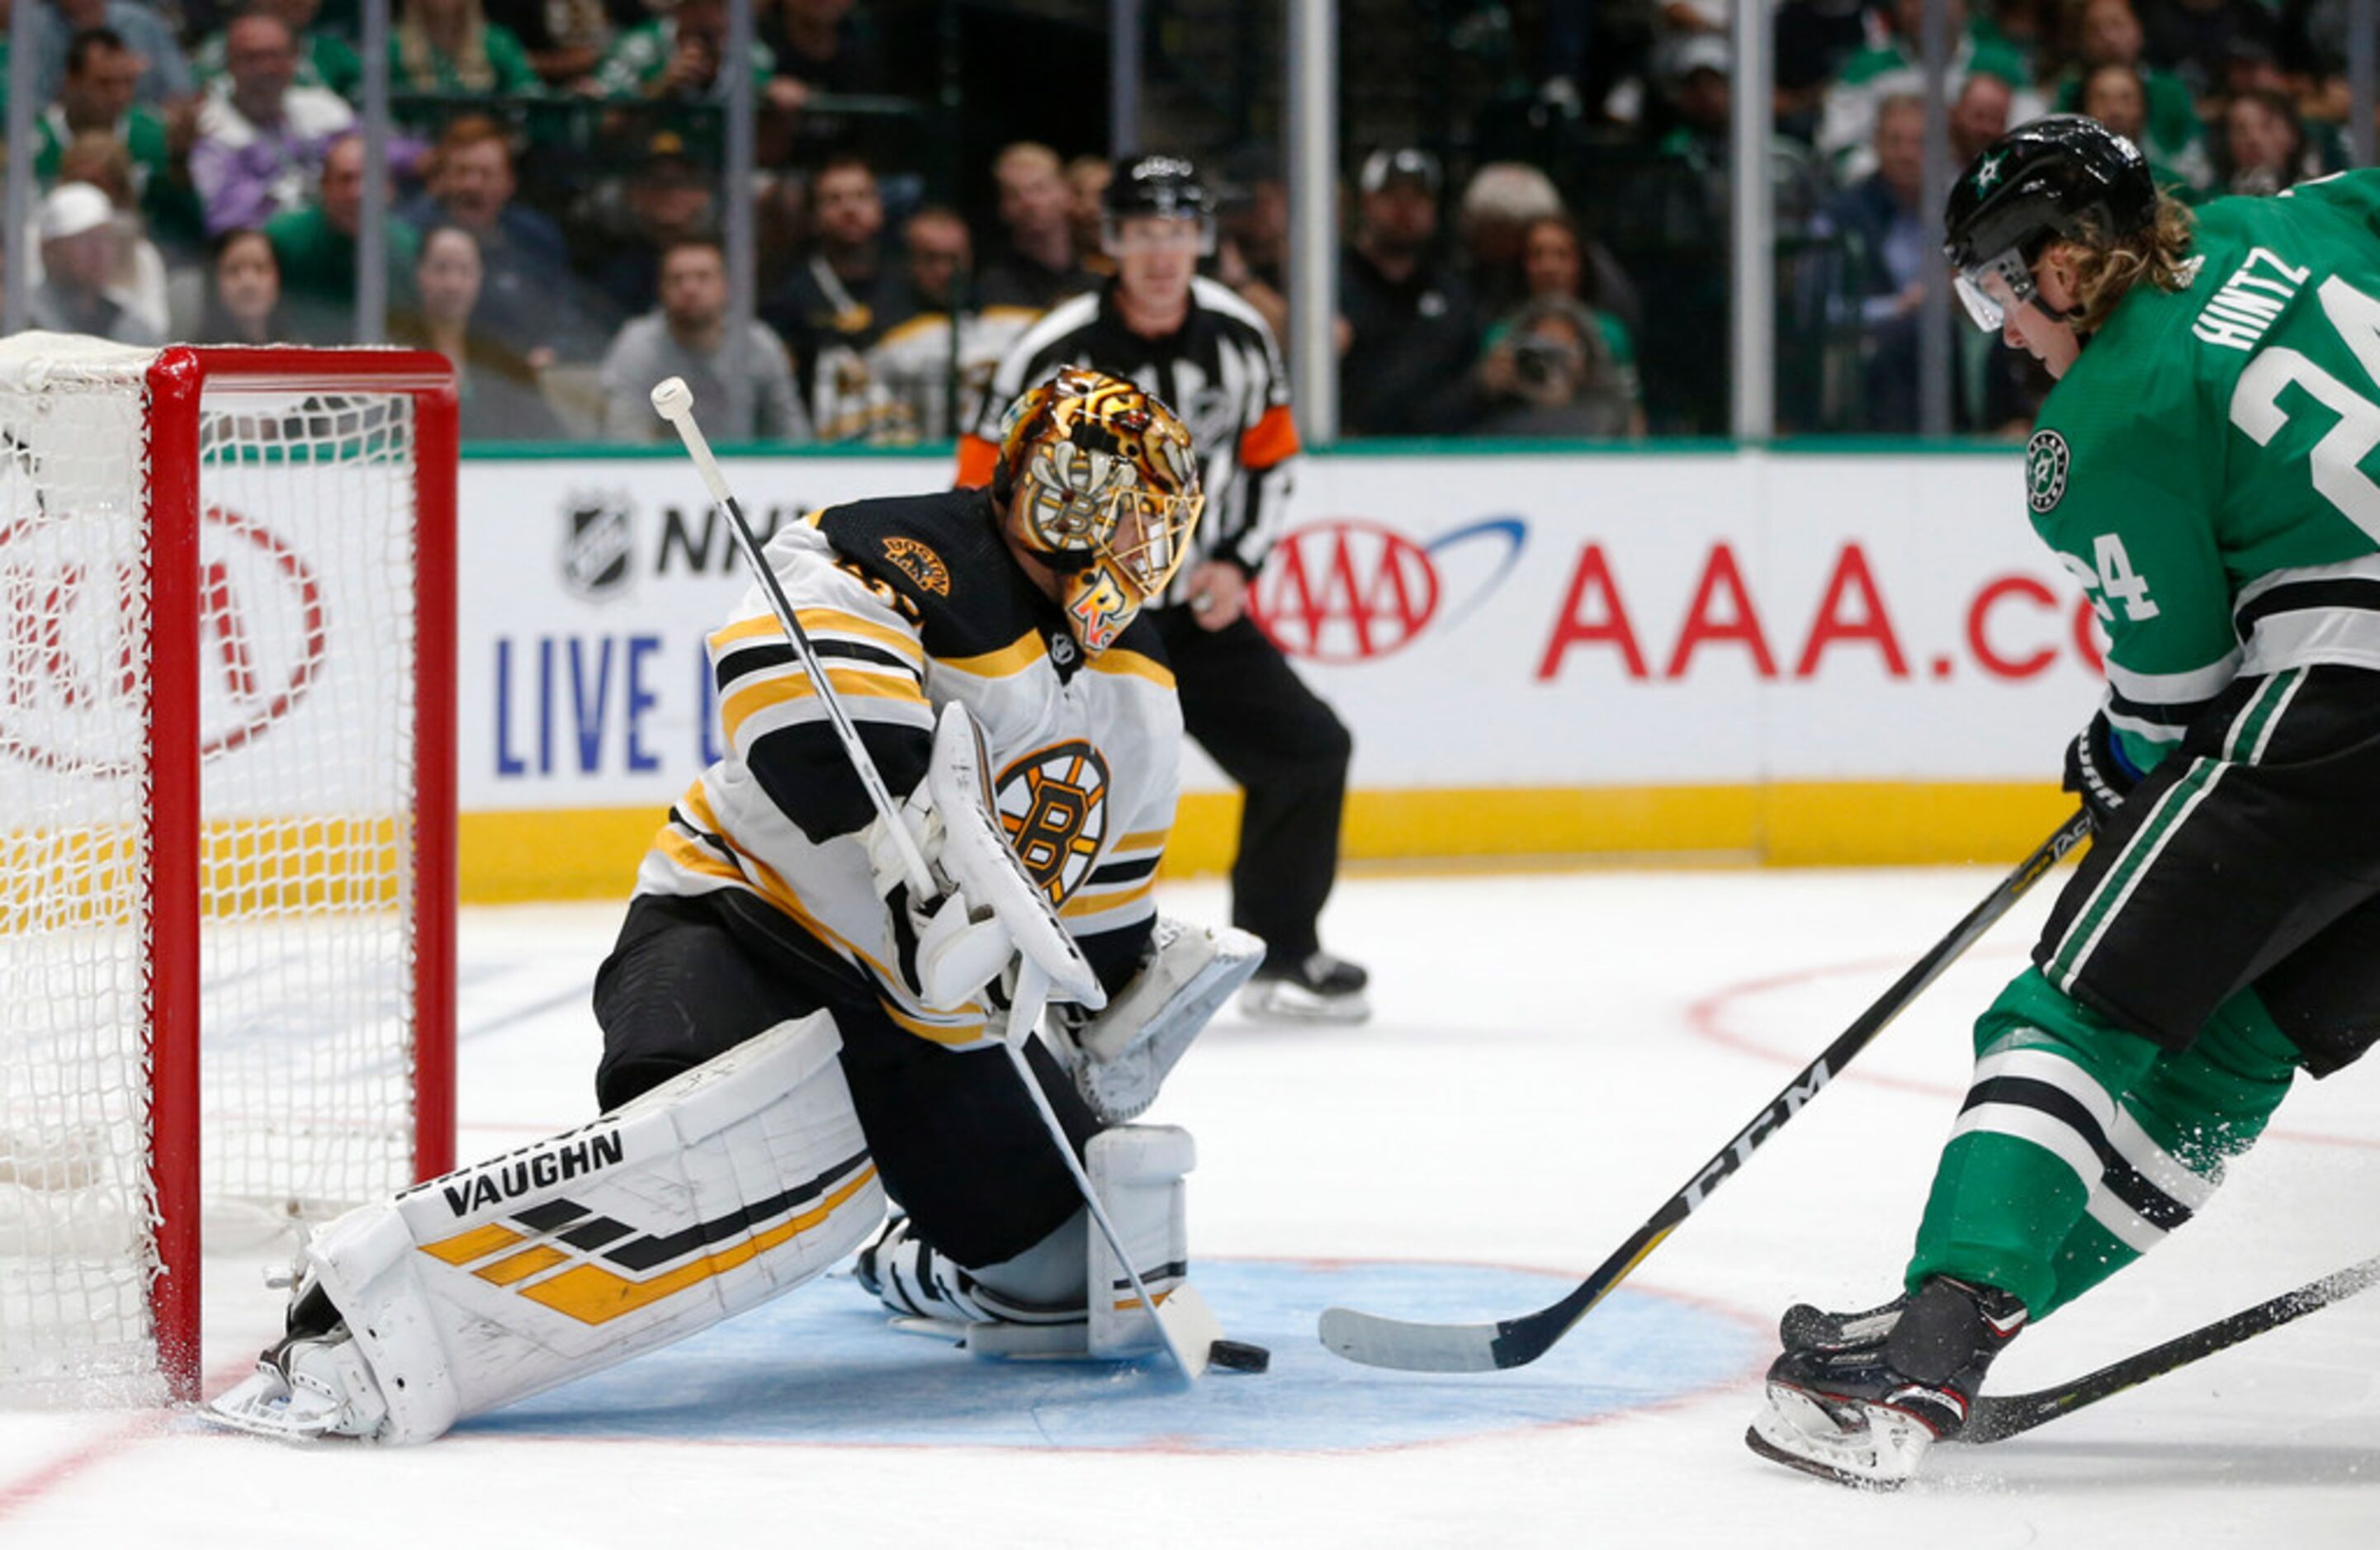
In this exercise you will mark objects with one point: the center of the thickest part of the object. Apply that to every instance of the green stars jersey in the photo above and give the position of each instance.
(2207, 469)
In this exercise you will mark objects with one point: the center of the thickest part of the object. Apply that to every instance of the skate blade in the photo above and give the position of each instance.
(1802, 1432)
(1272, 1001)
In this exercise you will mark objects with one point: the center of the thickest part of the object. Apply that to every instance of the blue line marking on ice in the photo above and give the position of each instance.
(821, 1365)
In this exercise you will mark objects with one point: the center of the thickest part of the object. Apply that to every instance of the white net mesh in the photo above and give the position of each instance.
(307, 672)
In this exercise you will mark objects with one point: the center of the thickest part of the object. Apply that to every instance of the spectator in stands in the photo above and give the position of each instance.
(1814, 39)
(1847, 132)
(2115, 95)
(2107, 33)
(1252, 236)
(2264, 144)
(1560, 370)
(844, 295)
(1037, 265)
(98, 97)
(926, 366)
(818, 48)
(675, 58)
(1979, 115)
(1086, 190)
(77, 228)
(565, 40)
(1894, 254)
(243, 297)
(669, 200)
(688, 337)
(2197, 39)
(1542, 372)
(324, 57)
(528, 292)
(261, 139)
(498, 393)
(450, 47)
(165, 79)
(140, 277)
(315, 248)
(1498, 205)
(1410, 328)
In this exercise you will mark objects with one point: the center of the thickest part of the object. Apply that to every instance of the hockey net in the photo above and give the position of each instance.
(226, 825)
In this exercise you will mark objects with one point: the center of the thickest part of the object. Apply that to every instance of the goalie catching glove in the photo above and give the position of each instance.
(985, 907)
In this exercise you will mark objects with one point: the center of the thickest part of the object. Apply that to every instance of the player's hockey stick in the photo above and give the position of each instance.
(2000, 1416)
(1182, 1322)
(1513, 1342)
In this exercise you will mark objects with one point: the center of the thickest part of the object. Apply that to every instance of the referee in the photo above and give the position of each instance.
(1207, 354)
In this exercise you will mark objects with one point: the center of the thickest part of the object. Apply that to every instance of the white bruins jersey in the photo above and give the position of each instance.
(911, 604)
(911, 369)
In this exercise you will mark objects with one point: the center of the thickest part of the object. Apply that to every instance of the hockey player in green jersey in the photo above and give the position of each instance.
(2205, 467)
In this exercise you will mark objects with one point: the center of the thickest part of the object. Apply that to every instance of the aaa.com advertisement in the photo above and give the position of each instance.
(1607, 620)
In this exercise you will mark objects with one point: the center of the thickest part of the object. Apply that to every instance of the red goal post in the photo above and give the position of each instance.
(226, 823)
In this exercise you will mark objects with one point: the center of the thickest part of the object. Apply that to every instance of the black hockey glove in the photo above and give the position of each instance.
(2098, 771)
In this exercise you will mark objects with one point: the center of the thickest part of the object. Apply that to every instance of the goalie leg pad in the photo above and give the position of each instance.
(1034, 1304)
(1137, 1170)
(1121, 1058)
(713, 1192)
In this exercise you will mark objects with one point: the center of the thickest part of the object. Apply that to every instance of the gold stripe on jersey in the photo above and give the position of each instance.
(763, 691)
(817, 622)
(1132, 664)
(687, 849)
(1093, 900)
(1008, 661)
(1146, 841)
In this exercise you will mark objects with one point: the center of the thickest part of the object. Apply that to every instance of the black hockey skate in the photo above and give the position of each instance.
(1859, 1398)
(1315, 989)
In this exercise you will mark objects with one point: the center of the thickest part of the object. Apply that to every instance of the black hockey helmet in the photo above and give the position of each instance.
(1158, 185)
(2065, 175)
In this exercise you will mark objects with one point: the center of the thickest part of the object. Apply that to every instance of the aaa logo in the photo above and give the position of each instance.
(1351, 591)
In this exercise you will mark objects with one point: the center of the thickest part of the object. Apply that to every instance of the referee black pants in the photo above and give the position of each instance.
(1259, 721)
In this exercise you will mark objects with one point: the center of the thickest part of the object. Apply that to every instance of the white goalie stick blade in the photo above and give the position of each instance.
(1191, 1329)
(1411, 1347)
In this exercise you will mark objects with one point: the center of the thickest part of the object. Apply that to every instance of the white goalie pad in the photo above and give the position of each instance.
(976, 854)
(1017, 1307)
(1138, 1171)
(707, 1195)
(1120, 1058)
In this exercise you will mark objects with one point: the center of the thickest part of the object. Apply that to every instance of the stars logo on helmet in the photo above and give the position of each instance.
(1988, 171)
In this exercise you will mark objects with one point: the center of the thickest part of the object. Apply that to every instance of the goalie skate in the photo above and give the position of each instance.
(303, 1389)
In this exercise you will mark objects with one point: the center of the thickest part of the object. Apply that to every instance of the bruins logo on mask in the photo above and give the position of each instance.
(1054, 803)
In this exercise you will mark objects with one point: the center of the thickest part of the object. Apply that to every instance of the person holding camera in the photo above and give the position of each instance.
(1560, 370)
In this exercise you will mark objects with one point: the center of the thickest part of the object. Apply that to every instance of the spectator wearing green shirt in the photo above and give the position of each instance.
(451, 47)
(675, 58)
(2169, 133)
(1897, 68)
(316, 247)
(325, 58)
(98, 94)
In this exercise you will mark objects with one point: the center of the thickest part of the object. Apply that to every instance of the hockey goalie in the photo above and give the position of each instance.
(793, 1036)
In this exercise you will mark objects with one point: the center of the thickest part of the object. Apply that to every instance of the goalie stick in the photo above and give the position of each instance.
(1997, 1417)
(1478, 1347)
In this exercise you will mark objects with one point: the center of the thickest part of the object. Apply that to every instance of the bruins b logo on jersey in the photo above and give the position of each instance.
(1054, 803)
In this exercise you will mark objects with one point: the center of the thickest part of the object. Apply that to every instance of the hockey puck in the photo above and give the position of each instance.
(1238, 1356)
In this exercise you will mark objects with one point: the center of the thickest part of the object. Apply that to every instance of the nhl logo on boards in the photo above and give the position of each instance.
(599, 535)
(2045, 470)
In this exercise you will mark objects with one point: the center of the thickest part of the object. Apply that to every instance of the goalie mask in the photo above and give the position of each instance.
(1101, 481)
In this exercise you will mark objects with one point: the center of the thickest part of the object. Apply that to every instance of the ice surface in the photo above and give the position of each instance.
(1554, 1055)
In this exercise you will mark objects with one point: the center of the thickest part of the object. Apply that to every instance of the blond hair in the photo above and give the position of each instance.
(2105, 272)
